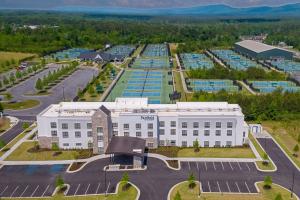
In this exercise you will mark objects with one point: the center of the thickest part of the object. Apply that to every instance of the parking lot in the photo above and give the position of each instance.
(91, 188)
(229, 186)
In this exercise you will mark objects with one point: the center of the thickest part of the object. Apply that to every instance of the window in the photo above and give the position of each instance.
(150, 126)
(228, 144)
(218, 132)
(206, 132)
(115, 125)
(100, 149)
(126, 134)
(77, 125)
(150, 134)
(53, 125)
(196, 125)
(218, 124)
(229, 132)
(138, 134)
(54, 133)
(244, 134)
(126, 126)
(195, 132)
(78, 144)
(161, 124)
(65, 144)
(138, 126)
(100, 137)
(115, 133)
(206, 143)
(218, 144)
(184, 124)
(90, 134)
(229, 125)
(184, 143)
(65, 134)
(99, 129)
(161, 143)
(90, 145)
(89, 125)
(161, 131)
(173, 131)
(173, 123)
(173, 142)
(77, 134)
(64, 126)
(150, 144)
(184, 132)
(206, 124)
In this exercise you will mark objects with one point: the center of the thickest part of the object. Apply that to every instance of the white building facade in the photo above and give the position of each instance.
(73, 125)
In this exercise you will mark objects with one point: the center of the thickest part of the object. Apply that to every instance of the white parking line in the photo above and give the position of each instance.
(35, 190)
(97, 188)
(77, 189)
(45, 190)
(222, 166)
(197, 166)
(228, 186)
(239, 166)
(230, 166)
(247, 187)
(189, 166)
(4, 190)
(238, 187)
(24, 190)
(214, 165)
(205, 166)
(14, 191)
(248, 167)
(219, 186)
(208, 186)
(87, 189)
(108, 187)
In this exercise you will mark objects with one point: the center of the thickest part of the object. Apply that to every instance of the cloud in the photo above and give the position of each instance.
(44, 4)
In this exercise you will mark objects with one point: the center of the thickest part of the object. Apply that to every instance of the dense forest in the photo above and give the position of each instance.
(58, 31)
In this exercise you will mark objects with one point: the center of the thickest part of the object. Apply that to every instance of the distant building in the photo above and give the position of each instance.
(261, 51)
(100, 57)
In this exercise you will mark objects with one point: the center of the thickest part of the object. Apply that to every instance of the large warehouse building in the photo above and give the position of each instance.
(92, 125)
(261, 51)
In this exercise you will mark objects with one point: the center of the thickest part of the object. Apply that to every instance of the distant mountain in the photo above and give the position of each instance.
(210, 10)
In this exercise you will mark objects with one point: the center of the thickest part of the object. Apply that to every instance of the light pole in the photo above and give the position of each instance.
(292, 188)
(105, 181)
(199, 180)
(63, 88)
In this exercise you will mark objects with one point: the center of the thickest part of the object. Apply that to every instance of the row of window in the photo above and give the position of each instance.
(90, 145)
(65, 134)
(206, 133)
(184, 143)
(66, 125)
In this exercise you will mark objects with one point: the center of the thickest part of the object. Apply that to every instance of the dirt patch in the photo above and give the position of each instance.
(76, 165)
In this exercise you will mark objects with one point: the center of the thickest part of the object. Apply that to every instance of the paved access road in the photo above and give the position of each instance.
(13, 132)
(155, 182)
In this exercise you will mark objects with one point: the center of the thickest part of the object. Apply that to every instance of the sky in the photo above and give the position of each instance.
(48, 4)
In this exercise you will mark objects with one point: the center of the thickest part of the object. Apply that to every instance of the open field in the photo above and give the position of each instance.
(286, 134)
(9, 60)
(23, 153)
(21, 105)
(235, 152)
(192, 194)
(130, 194)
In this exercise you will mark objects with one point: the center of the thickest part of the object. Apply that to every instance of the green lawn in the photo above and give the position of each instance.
(130, 194)
(9, 60)
(21, 105)
(235, 152)
(192, 194)
(22, 154)
(286, 134)
(261, 152)
(4, 124)
(179, 88)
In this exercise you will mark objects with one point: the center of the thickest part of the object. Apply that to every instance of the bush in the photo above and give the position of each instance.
(191, 181)
(55, 147)
(2, 144)
(177, 196)
(268, 182)
(278, 197)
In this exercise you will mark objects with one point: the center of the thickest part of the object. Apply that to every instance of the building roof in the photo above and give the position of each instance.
(126, 145)
(127, 106)
(100, 56)
(257, 47)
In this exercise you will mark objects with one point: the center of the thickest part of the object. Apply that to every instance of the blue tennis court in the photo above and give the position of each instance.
(123, 50)
(286, 65)
(270, 86)
(212, 85)
(195, 61)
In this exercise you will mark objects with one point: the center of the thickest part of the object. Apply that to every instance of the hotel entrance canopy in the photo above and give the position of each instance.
(126, 145)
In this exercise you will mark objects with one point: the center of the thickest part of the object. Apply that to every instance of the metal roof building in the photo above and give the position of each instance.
(258, 50)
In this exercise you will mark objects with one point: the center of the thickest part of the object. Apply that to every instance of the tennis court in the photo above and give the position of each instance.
(143, 83)
(270, 86)
(123, 50)
(68, 54)
(195, 61)
(156, 50)
(151, 63)
(234, 60)
(212, 85)
(286, 65)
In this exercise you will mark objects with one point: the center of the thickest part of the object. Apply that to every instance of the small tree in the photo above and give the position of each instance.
(55, 147)
(25, 126)
(296, 150)
(278, 197)
(12, 78)
(196, 145)
(265, 159)
(0, 84)
(91, 90)
(177, 196)
(59, 182)
(191, 181)
(39, 84)
(268, 182)
(1, 108)
(18, 74)
(125, 180)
